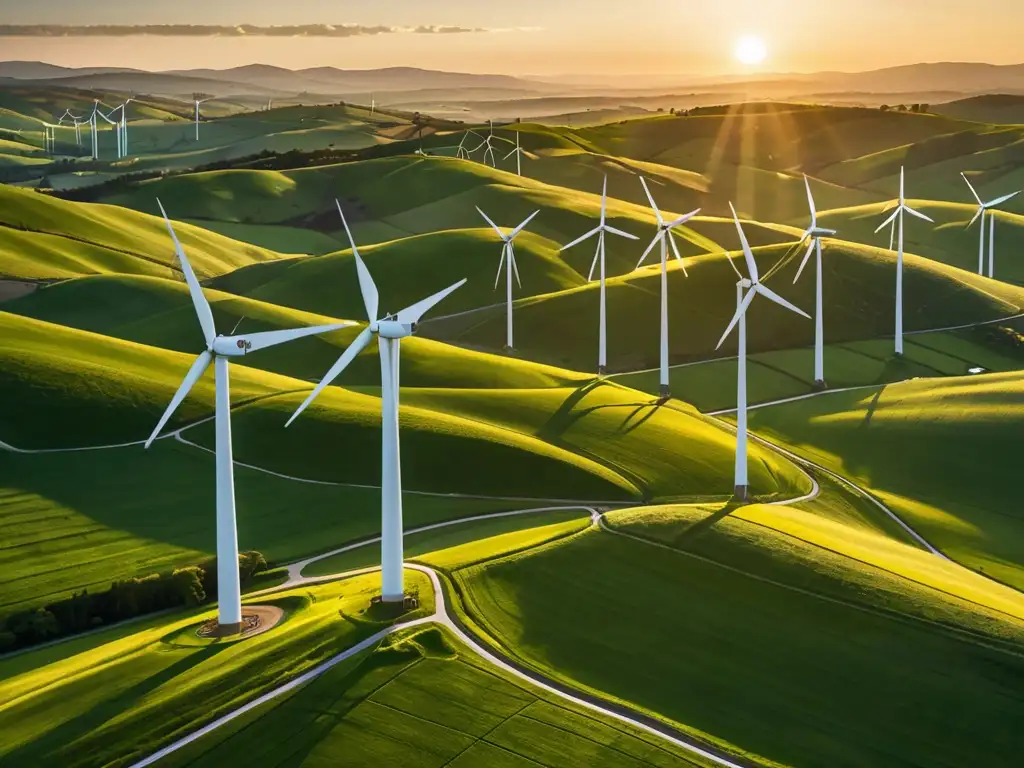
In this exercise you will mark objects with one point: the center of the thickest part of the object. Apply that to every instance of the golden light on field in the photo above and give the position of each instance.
(751, 50)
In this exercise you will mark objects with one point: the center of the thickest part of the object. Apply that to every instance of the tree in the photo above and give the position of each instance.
(885, 107)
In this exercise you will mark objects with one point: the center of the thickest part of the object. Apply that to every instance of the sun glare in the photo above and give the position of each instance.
(751, 50)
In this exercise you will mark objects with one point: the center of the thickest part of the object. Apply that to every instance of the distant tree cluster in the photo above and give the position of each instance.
(919, 108)
(126, 599)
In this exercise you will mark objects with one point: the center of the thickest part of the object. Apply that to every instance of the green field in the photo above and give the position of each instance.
(767, 655)
(859, 286)
(940, 453)
(121, 699)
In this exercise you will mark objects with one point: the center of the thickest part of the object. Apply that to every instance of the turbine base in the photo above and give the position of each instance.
(741, 492)
(820, 385)
(394, 605)
(665, 392)
(602, 370)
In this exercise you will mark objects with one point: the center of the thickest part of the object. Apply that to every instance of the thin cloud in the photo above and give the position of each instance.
(241, 30)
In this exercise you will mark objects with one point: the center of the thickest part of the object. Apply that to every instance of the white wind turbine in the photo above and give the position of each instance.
(518, 152)
(665, 233)
(95, 154)
(983, 210)
(752, 286)
(219, 350)
(197, 101)
(488, 145)
(815, 233)
(897, 218)
(390, 331)
(117, 129)
(600, 230)
(507, 250)
(461, 152)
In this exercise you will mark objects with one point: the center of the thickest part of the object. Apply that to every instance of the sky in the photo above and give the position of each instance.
(534, 37)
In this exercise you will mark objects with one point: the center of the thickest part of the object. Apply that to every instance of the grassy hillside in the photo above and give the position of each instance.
(390, 197)
(991, 108)
(950, 241)
(425, 699)
(939, 452)
(160, 313)
(405, 271)
(803, 661)
(790, 372)
(42, 237)
(119, 701)
(859, 285)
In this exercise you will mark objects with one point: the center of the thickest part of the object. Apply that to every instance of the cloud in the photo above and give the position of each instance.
(241, 30)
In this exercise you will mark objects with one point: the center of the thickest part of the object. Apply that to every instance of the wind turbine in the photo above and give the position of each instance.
(815, 233)
(93, 129)
(983, 210)
(198, 101)
(518, 152)
(600, 230)
(752, 285)
(488, 145)
(461, 152)
(664, 233)
(390, 331)
(897, 217)
(117, 129)
(510, 267)
(219, 350)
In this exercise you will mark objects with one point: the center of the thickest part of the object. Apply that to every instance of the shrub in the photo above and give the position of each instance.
(188, 585)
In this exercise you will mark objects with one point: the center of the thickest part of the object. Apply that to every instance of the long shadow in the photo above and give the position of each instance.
(40, 751)
(565, 416)
(706, 523)
(872, 407)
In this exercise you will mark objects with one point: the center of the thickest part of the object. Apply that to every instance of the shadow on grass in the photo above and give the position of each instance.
(707, 523)
(46, 748)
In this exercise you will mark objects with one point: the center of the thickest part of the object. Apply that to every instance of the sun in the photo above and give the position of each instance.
(751, 50)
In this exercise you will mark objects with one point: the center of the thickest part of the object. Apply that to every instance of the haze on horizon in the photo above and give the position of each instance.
(538, 37)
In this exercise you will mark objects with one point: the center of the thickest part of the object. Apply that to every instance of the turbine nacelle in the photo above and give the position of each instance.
(393, 329)
(231, 346)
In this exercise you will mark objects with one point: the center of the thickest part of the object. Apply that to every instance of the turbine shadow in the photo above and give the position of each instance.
(707, 523)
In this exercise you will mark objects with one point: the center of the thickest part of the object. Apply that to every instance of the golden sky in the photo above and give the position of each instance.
(546, 37)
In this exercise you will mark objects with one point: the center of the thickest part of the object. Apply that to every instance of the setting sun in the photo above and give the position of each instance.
(751, 50)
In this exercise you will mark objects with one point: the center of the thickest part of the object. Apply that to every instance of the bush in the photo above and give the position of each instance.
(188, 585)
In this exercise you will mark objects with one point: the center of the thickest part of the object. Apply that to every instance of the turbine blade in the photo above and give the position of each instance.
(728, 258)
(810, 202)
(604, 198)
(902, 198)
(493, 225)
(581, 238)
(512, 261)
(414, 312)
(501, 263)
(511, 153)
(979, 212)
(740, 310)
(1003, 199)
(620, 233)
(199, 301)
(683, 219)
(593, 264)
(888, 221)
(654, 206)
(751, 264)
(357, 346)
(973, 192)
(519, 229)
(807, 257)
(264, 339)
(919, 215)
(348, 232)
(198, 368)
(654, 242)
(675, 250)
(768, 293)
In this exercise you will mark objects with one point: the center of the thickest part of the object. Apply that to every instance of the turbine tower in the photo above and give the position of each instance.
(752, 286)
(815, 233)
(518, 152)
(897, 218)
(219, 350)
(390, 331)
(508, 250)
(197, 100)
(664, 233)
(983, 210)
(600, 230)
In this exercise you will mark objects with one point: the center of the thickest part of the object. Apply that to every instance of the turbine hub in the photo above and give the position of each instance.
(392, 329)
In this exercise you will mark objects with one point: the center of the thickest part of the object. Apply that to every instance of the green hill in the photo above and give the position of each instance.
(859, 287)
(160, 313)
(771, 647)
(950, 241)
(407, 269)
(42, 237)
(941, 453)
(990, 108)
